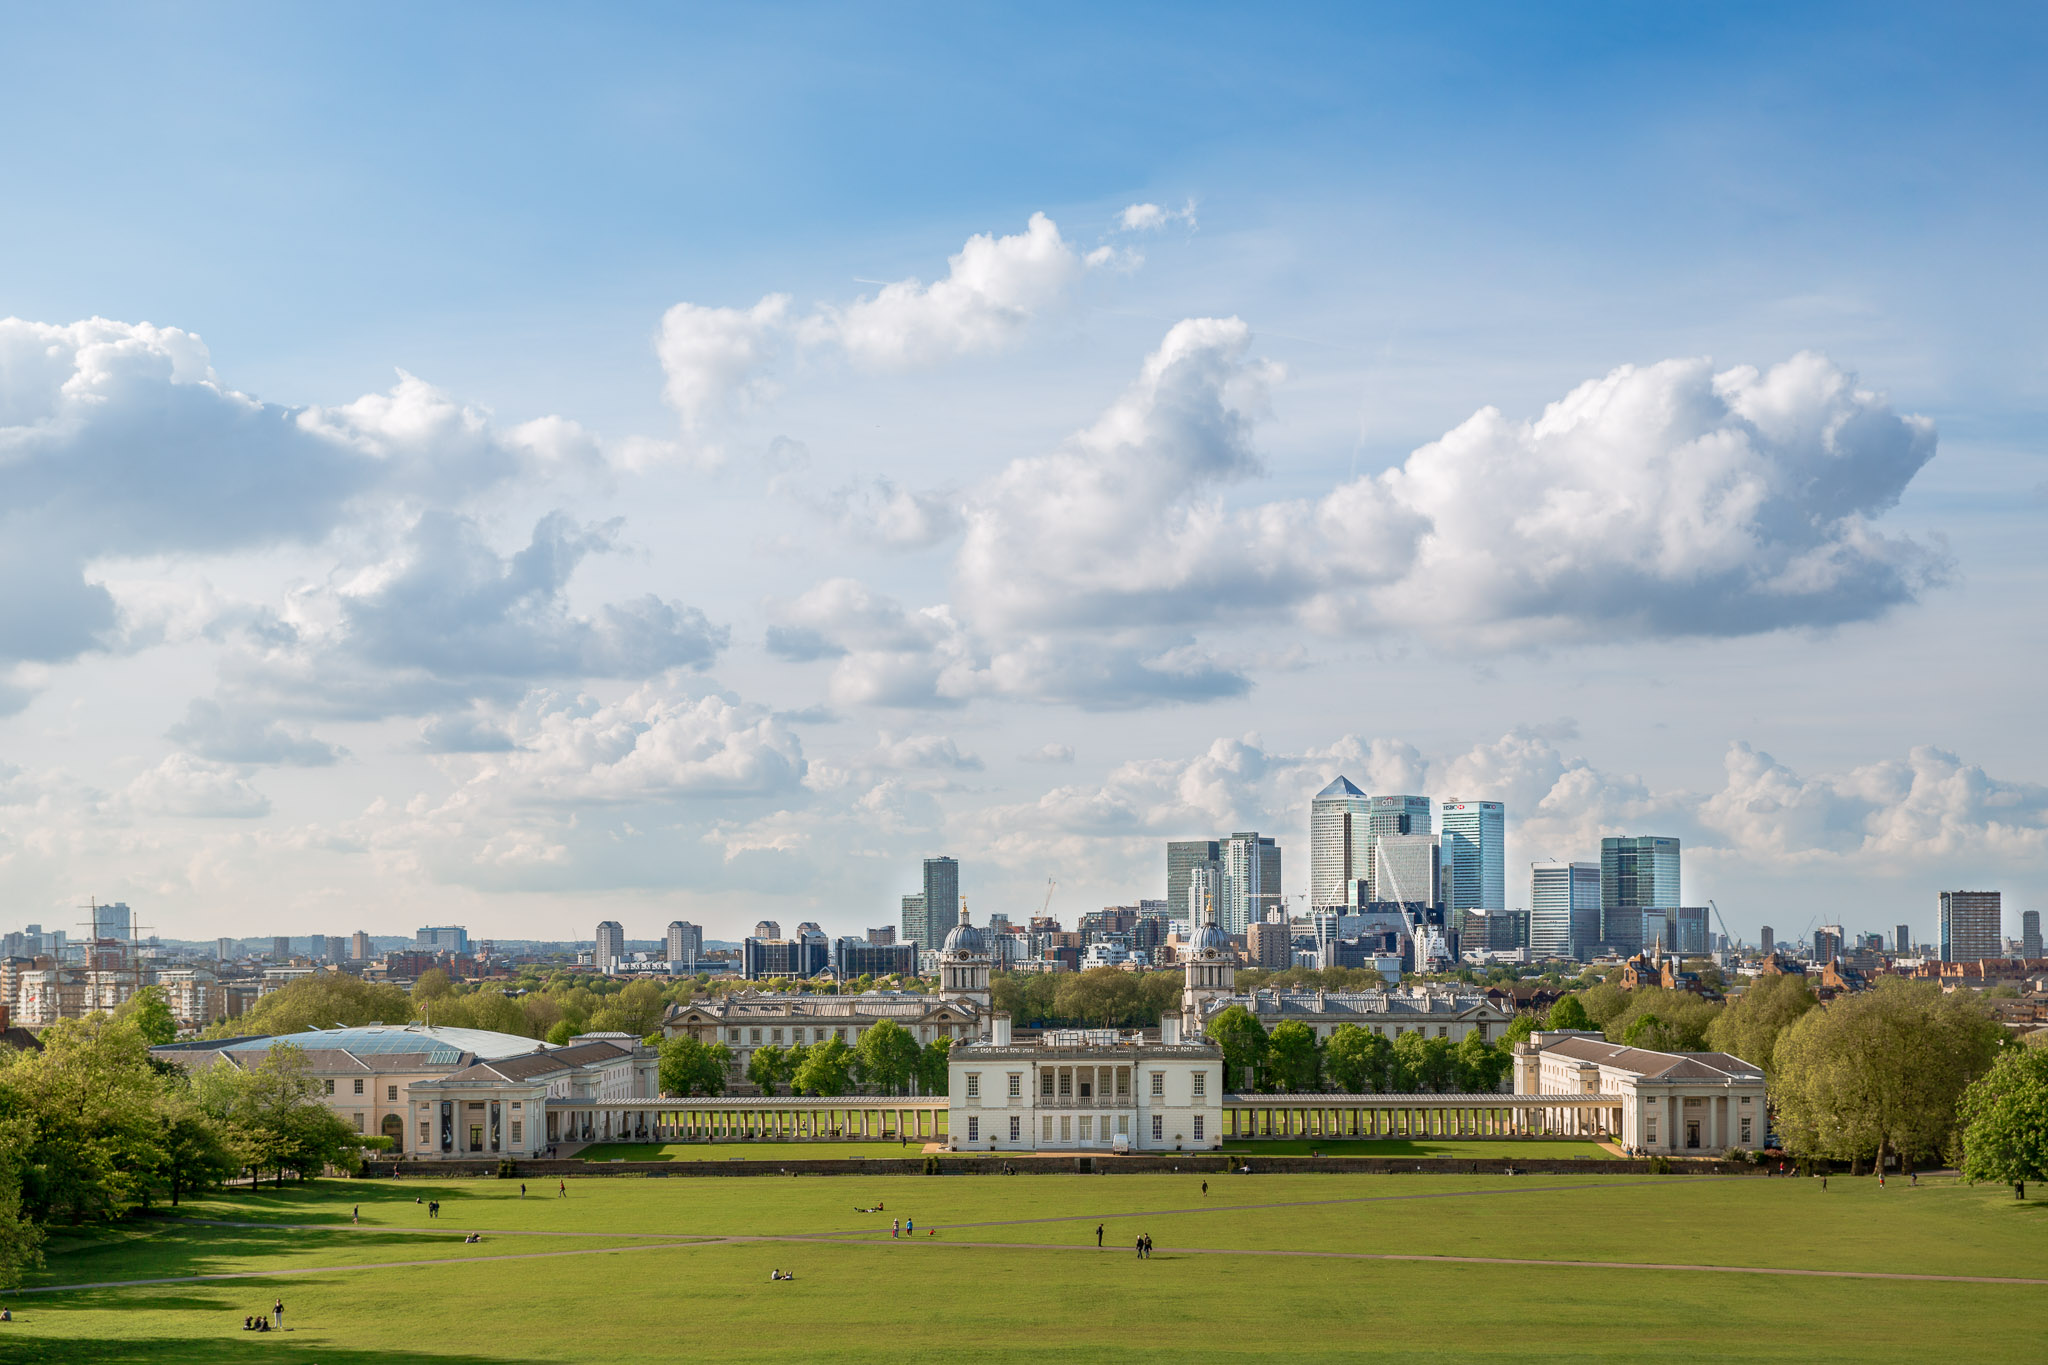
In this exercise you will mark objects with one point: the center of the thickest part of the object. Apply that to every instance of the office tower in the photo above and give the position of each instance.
(1182, 857)
(1564, 909)
(1827, 943)
(280, 950)
(359, 947)
(113, 921)
(1637, 873)
(1972, 925)
(1407, 869)
(2030, 934)
(1770, 942)
(1474, 855)
(1339, 826)
(1689, 933)
(225, 949)
(337, 949)
(610, 946)
(914, 931)
(443, 938)
(685, 942)
(1902, 940)
(1392, 817)
(1251, 881)
(941, 901)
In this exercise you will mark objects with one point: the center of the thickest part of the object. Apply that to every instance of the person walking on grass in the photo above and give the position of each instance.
(1140, 1245)
(895, 1227)
(356, 1215)
(1205, 1189)
(562, 1189)
(277, 1314)
(1098, 1236)
(522, 1189)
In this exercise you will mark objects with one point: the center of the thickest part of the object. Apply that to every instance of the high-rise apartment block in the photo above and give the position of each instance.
(1339, 843)
(1972, 926)
(226, 949)
(1564, 910)
(359, 947)
(1269, 945)
(337, 949)
(685, 942)
(914, 928)
(1475, 855)
(1183, 856)
(2030, 934)
(940, 906)
(610, 946)
(1768, 941)
(1902, 940)
(1637, 873)
(1251, 880)
(281, 949)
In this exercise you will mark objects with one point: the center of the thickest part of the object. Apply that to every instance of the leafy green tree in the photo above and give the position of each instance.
(827, 1069)
(1480, 1065)
(1750, 1026)
(89, 1136)
(295, 1131)
(322, 1000)
(764, 1068)
(1881, 1071)
(886, 1057)
(1294, 1059)
(688, 1067)
(1666, 1021)
(196, 1152)
(1243, 1039)
(2004, 1121)
(433, 985)
(1568, 1012)
(1518, 1030)
(149, 1009)
(1356, 1059)
(561, 1032)
(1603, 1002)
(932, 1066)
(21, 1240)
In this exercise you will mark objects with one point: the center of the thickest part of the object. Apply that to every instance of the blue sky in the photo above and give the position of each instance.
(614, 611)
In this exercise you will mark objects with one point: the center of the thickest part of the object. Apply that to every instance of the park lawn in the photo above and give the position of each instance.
(748, 1151)
(1499, 1149)
(1028, 1304)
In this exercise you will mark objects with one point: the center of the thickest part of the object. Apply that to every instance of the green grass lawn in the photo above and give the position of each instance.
(1499, 1149)
(747, 1151)
(1014, 1258)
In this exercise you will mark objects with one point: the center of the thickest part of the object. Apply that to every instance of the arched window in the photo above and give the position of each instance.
(394, 1128)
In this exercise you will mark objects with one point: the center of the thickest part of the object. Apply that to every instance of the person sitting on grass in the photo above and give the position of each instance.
(249, 1323)
(472, 1239)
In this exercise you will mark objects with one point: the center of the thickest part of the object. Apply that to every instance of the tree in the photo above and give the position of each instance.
(933, 1065)
(433, 985)
(1480, 1065)
(294, 1129)
(886, 1057)
(88, 1137)
(1603, 1002)
(1423, 1064)
(2004, 1121)
(1356, 1059)
(1243, 1039)
(1519, 1028)
(322, 1000)
(1664, 1021)
(688, 1067)
(1881, 1071)
(1568, 1013)
(149, 1009)
(195, 1152)
(561, 1033)
(1751, 1025)
(21, 1240)
(827, 1069)
(764, 1068)
(1294, 1057)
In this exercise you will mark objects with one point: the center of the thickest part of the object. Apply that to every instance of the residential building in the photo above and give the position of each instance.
(685, 944)
(1972, 926)
(2030, 934)
(1182, 857)
(804, 956)
(1339, 839)
(609, 947)
(1564, 910)
(113, 921)
(929, 916)
(1269, 945)
(280, 950)
(884, 937)
(1769, 942)
(359, 947)
(1637, 873)
(767, 928)
(914, 928)
(337, 949)
(1902, 940)
(1665, 1103)
(1251, 880)
(1474, 854)
(443, 938)
(227, 949)
(1827, 943)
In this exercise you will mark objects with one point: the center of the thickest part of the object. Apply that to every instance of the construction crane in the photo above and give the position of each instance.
(1045, 907)
(1722, 922)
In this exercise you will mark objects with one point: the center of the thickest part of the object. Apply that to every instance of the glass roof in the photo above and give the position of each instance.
(374, 1039)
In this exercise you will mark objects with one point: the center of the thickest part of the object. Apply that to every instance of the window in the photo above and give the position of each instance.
(1087, 1088)
(390, 1094)
(973, 1085)
(1649, 1130)
(1123, 1125)
(1048, 1127)
(973, 1129)
(1198, 1127)
(1380, 1029)
(776, 1037)
(1443, 1030)
(1016, 1084)
(359, 1085)
(1158, 1084)
(1482, 1033)
(359, 1122)
(1016, 1128)
(424, 1133)
(754, 1036)
(1745, 1128)
(516, 1106)
(1087, 1127)
(516, 1125)
(1045, 1083)
(1123, 1082)
(1158, 1128)
(329, 1086)
(1066, 1128)
(1066, 1084)
(732, 1035)
(1201, 1086)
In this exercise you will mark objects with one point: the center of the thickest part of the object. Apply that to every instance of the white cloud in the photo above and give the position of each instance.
(184, 786)
(1049, 753)
(214, 732)
(1151, 217)
(715, 358)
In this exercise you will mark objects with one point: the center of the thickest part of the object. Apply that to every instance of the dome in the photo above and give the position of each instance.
(1211, 941)
(965, 938)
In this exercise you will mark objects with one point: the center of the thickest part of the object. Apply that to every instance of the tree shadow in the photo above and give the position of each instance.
(175, 1251)
(231, 1345)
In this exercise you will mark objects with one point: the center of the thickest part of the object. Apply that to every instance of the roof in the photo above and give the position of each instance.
(1658, 1066)
(441, 1046)
(1341, 787)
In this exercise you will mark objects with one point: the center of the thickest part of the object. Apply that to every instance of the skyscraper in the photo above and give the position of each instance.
(226, 948)
(337, 949)
(610, 946)
(1182, 857)
(113, 921)
(1902, 940)
(1251, 881)
(1827, 943)
(1474, 855)
(685, 942)
(1339, 843)
(1637, 873)
(1392, 817)
(280, 949)
(2030, 933)
(1407, 868)
(1972, 925)
(359, 947)
(941, 900)
(914, 928)
(1564, 909)
(1770, 942)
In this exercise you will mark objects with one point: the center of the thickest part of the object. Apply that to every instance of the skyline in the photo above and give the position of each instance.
(612, 472)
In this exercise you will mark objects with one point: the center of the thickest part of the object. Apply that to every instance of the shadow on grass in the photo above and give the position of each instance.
(233, 1345)
(168, 1251)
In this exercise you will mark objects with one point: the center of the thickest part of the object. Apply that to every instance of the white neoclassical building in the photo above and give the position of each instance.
(1666, 1103)
(1085, 1090)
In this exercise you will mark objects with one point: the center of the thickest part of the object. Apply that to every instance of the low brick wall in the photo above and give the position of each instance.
(1210, 1163)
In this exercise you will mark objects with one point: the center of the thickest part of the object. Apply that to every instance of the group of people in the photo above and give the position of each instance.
(904, 1227)
(782, 1275)
(1145, 1246)
(257, 1322)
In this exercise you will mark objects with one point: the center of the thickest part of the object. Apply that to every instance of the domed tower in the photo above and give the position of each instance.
(964, 966)
(1211, 975)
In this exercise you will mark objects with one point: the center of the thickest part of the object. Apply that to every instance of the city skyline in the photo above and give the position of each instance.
(696, 508)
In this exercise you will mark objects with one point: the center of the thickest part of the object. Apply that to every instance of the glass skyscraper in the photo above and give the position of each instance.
(1394, 817)
(1339, 843)
(941, 900)
(1564, 910)
(1183, 856)
(1251, 881)
(1972, 926)
(1475, 868)
(1637, 873)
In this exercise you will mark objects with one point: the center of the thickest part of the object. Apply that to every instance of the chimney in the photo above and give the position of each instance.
(1169, 1029)
(1000, 1029)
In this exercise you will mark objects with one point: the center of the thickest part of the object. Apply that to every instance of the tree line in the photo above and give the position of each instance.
(1353, 1059)
(886, 1060)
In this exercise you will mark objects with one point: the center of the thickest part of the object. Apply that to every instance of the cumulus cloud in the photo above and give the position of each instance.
(212, 731)
(184, 786)
(464, 733)
(1049, 753)
(447, 620)
(1664, 500)
(721, 360)
(1151, 217)
(876, 512)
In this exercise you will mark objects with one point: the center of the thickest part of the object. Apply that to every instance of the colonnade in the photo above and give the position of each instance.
(852, 1119)
(1420, 1116)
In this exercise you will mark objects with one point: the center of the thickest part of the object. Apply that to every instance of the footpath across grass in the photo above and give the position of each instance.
(1236, 1271)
